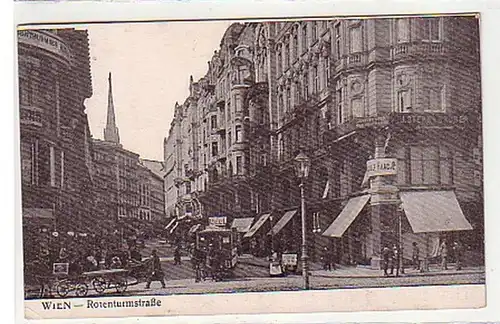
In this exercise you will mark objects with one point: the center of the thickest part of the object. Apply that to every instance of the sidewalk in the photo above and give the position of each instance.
(366, 272)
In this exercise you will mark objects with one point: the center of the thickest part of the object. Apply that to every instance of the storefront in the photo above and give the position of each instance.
(242, 226)
(256, 237)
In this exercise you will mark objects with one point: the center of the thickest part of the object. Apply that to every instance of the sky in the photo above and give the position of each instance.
(150, 65)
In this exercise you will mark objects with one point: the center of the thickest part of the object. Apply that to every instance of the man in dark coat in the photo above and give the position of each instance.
(415, 256)
(197, 260)
(386, 259)
(156, 271)
(177, 255)
(458, 251)
(326, 259)
(135, 255)
(396, 260)
(443, 251)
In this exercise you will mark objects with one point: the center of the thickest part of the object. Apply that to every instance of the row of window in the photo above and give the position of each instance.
(431, 29)
(300, 89)
(136, 213)
(31, 165)
(214, 149)
(307, 135)
(288, 52)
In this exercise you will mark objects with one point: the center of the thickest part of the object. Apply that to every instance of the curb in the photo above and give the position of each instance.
(427, 274)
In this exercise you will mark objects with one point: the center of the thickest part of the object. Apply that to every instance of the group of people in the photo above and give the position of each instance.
(392, 259)
(328, 259)
(444, 253)
(207, 263)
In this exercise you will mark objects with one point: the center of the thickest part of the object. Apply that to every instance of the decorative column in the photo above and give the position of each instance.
(384, 199)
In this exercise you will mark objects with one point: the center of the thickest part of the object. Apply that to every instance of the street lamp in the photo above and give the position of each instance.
(272, 235)
(302, 164)
(400, 238)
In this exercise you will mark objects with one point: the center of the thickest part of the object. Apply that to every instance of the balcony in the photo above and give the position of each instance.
(31, 116)
(356, 59)
(401, 51)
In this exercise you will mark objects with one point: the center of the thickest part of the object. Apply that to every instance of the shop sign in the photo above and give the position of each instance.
(375, 121)
(46, 41)
(429, 119)
(289, 259)
(381, 167)
(217, 221)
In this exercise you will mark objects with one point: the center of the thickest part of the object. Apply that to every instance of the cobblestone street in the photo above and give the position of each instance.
(188, 286)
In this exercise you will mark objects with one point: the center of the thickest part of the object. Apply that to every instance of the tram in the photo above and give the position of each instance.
(220, 247)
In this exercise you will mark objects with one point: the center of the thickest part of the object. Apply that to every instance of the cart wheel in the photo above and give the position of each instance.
(81, 290)
(99, 284)
(62, 288)
(121, 285)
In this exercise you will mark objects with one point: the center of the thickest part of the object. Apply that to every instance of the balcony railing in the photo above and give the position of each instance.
(416, 49)
(31, 116)
(355, 59)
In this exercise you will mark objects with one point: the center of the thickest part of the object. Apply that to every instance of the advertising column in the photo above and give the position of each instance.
(384, 201)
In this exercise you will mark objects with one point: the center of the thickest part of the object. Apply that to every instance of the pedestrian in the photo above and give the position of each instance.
(196, 261)
(395, 260)
(156, 271)
(386, 259)
(91, 263)
(443, 251)
(415, 256)
(458, 251)
(135, 255)
(326, 259)
(177, 255)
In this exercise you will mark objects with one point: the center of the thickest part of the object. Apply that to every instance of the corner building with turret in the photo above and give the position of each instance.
(387, 110)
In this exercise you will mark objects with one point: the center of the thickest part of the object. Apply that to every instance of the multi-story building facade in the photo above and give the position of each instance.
(153, 193)
(347, 93)
(127, 188)
(54, 81)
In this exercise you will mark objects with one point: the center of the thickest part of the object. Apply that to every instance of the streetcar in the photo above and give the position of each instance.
(219, 244)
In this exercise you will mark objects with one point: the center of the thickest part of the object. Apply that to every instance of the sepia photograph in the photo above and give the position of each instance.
(175, 158)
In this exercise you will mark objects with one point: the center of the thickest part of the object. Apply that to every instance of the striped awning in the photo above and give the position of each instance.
(434, 211)
(282, 222)
(173, 228)
(194, 228)
(38, 213)
(170, 223)
(346, 216)
(242, 225)
(251, 232)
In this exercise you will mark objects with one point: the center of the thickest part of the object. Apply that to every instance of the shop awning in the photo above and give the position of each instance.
(282, 222)
(251, 232)
(173, 228)
(38, 213)
(434, 211)
(346, 216)
(170, 223)
(194, 228)
(242, 225)
(213, 228)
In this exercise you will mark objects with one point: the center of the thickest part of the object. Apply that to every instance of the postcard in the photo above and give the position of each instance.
(251, 166)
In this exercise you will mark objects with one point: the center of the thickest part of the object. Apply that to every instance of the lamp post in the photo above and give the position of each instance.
(400, 238)
(302, 164)
(272, 235)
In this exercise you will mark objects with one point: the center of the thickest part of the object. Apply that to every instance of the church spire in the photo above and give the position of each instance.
(111, 131)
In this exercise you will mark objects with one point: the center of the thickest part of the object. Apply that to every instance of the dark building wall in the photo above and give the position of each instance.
(54, 172)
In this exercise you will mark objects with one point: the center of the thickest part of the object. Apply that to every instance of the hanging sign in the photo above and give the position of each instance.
(381, 167)
(217, 221)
